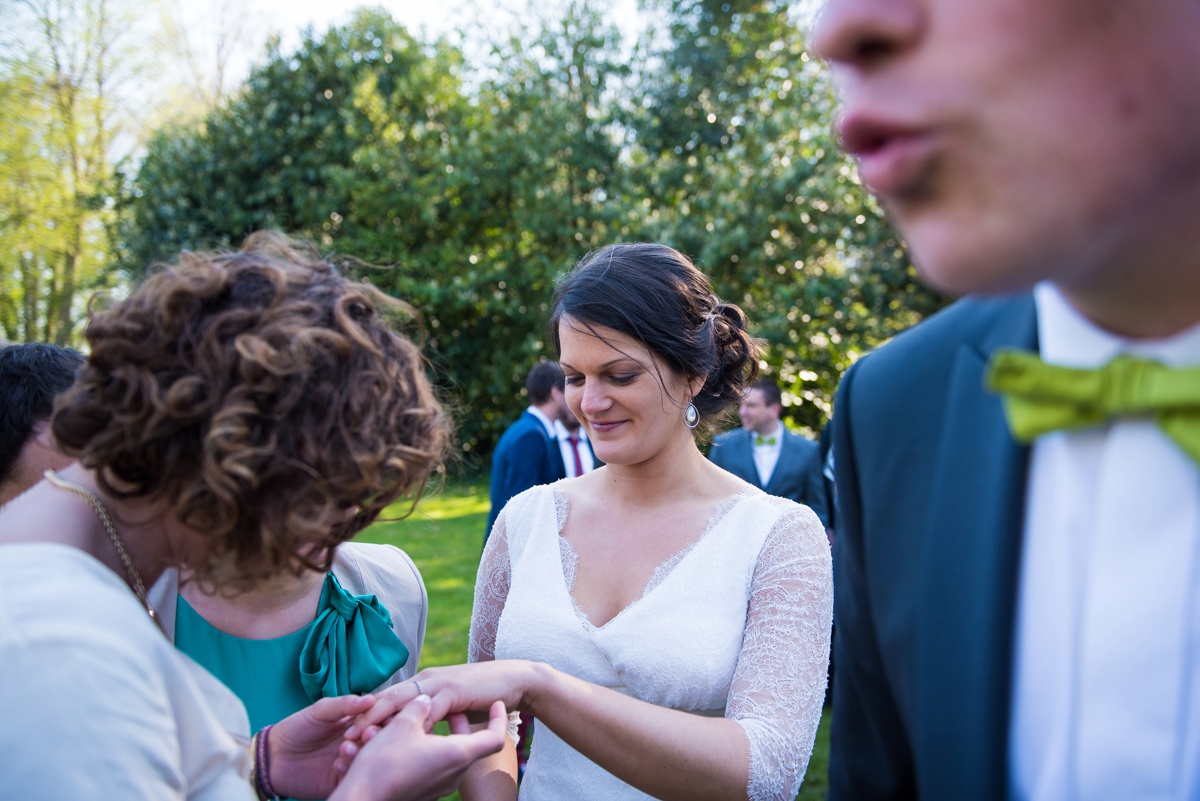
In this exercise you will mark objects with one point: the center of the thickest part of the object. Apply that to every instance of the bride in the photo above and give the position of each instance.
(666, 623)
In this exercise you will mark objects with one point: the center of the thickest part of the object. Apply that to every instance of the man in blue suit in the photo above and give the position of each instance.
(1017, 605)
(764, 453)
(32, 375)
(528, 452)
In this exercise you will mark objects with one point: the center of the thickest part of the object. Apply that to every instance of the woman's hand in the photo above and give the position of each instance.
(303, 746)
(460, 689)
(405, 762)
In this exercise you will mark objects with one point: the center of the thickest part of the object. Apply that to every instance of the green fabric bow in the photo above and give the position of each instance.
(351, 647)
(764, 440)
(1040, 397)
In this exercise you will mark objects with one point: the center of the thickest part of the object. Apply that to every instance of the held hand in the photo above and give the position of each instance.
(403, 761)
(304, 746)
(466, 689)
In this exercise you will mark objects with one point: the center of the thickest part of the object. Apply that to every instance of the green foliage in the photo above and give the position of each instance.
(467, 192)
(529, 178)
(31, 199)
(293, 150)
(743, 174)
(57, 120)
(444, 537)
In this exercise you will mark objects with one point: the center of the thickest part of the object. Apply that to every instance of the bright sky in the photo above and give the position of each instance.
(238, 29)
(414, 14)
(432, 16)
(253, 20)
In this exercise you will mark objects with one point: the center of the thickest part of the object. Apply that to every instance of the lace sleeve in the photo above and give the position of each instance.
(491, 590)
(778, 687)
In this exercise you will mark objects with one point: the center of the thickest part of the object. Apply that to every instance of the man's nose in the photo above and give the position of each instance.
(861, 33)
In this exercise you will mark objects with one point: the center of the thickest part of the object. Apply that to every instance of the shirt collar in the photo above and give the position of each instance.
(1068, 338)
(561, 432)
(777, 433)
(543, 419)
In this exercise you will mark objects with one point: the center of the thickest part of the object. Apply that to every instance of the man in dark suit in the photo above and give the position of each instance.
(767, 455)
(31, 376)
(574, 446)
(1016, 605)
(528, 452)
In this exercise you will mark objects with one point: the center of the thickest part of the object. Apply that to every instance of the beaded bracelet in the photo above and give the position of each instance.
(262, 767)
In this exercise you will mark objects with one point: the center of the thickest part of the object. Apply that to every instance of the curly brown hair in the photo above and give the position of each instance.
(268, 401)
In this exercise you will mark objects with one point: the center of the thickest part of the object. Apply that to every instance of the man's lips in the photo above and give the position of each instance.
(890, 156)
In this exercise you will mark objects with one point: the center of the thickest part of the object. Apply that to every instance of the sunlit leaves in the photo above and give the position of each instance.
(466, 188)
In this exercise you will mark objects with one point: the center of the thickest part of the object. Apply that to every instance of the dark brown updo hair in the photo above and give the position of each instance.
(266, 400)
(654, 294)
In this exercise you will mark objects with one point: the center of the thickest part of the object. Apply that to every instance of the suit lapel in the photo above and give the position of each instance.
(558, 467)
(743, 456)
(789, 453)
(555, 467)
(964, 660)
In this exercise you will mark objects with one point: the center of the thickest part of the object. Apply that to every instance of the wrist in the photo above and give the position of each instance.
(261, 766)
(538, 684)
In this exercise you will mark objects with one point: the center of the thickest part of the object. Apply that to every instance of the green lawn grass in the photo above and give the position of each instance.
(444, 536)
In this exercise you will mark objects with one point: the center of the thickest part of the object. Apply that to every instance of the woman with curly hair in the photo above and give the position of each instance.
(666, 623)
(357, 628)
(239, 416)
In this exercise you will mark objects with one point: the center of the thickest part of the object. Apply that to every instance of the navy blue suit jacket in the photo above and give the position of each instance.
(796, 474)
(931, 499)
(525, 457)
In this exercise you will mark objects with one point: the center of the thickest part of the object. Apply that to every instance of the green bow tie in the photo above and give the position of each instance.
(764, 440)
(1040, 398)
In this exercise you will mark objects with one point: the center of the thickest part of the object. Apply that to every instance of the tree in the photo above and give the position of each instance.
(290, 151)
(466, 189)
(742, 173)
(533, 168)
(465, 204)
(31, 199)
(58, 87)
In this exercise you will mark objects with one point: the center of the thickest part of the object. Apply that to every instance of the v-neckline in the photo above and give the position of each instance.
(569, 557)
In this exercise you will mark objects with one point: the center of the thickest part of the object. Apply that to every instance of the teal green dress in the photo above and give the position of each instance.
(349, 647)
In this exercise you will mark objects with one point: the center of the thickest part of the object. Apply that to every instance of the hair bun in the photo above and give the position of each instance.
(735, 363)
(730, 312)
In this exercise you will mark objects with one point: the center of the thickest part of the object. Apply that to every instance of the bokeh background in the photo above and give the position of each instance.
(459, 157)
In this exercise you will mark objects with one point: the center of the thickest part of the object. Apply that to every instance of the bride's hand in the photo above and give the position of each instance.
(469, 689)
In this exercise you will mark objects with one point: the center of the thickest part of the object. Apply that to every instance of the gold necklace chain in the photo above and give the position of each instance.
(135, 578)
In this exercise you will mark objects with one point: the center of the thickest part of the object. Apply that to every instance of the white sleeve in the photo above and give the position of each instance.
(778, 688)
(96, 720)
(491, 591)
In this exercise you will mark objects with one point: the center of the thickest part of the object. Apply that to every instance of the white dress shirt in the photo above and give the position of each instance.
(767, 456)
(546, 422)
(568, 453)
(1106, 684)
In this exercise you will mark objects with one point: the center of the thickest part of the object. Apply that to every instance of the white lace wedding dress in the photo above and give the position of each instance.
(735, 625)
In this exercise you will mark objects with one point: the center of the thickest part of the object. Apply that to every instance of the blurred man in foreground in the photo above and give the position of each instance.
(1019, 499)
